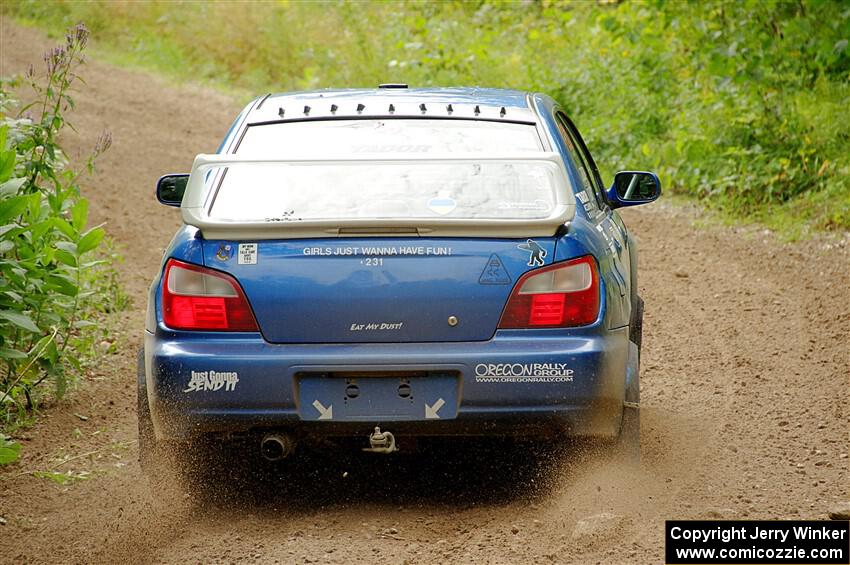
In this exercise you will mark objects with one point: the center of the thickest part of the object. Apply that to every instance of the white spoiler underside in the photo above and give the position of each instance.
(200, 190)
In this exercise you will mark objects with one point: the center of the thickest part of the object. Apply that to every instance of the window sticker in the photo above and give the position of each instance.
(442, 205)
(541, 205)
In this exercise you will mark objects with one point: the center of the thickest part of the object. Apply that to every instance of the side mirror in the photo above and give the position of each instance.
(170, 189)
(631, 188)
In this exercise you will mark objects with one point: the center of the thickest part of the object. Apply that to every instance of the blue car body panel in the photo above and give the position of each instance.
(471, 378)
(321, 291)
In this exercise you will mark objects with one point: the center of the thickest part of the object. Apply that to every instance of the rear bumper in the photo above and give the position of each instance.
(519, 382)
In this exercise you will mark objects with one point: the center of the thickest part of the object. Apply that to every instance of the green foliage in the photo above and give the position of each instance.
(9, 450)
(50, 285)
(742, 105)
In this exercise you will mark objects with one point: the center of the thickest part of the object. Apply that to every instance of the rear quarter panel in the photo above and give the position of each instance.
(594, 235)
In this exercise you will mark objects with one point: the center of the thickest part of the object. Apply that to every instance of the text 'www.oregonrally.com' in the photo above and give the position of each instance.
(744, 542)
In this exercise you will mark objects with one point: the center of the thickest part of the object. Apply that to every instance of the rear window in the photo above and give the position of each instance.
(415, 169)
(387, 136)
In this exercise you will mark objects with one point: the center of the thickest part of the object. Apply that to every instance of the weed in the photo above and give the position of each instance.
(51, 286)
(63, 479)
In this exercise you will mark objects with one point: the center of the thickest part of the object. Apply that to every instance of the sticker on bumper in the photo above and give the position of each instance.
(523, 373)
(212, 381)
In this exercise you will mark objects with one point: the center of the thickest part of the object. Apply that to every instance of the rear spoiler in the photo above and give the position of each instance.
(202, 186)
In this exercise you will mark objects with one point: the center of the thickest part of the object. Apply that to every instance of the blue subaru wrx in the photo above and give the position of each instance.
(395, 263)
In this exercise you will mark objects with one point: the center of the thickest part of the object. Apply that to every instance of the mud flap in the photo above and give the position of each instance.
(633, 375)
(629, 440)
(636, 323)
(147, 439)
(153, 458)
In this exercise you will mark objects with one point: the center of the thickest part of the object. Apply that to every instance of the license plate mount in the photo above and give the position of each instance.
(375, 399)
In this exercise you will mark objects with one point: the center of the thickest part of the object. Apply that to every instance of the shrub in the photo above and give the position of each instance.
(50, 284)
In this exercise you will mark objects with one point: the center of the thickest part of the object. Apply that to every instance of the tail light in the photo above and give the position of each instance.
(195, 298)
(558, 296)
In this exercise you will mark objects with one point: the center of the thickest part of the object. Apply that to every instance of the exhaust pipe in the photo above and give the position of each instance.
(275, 447)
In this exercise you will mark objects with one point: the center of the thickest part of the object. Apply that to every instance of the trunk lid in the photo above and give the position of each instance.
(378, 290)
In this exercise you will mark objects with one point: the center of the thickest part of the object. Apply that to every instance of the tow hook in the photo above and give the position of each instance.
(381, 442)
